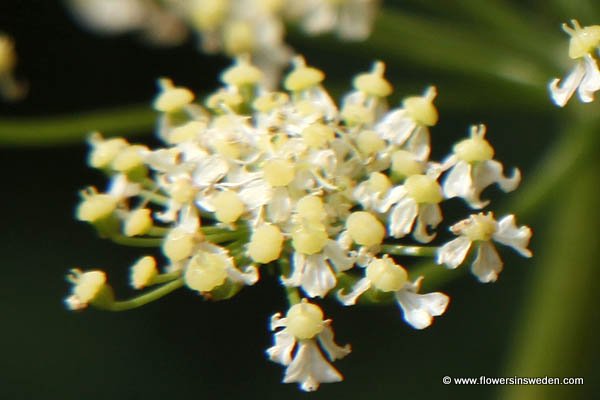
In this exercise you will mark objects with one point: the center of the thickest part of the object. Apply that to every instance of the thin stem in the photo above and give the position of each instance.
(292, 293)
(154, 197)
(136, 242)
(168, 277)
(158, 231)
(75, 128)
(144, 298)
(416, 251)
(293, 296)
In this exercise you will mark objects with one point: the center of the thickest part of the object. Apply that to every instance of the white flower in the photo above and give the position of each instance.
(585, 77)
(409, 126)
(211, 266)
(479, 230)
(474, 169)
(297, 347)
(121, 16)
(416, 200)
(351, 19)
(385, 275)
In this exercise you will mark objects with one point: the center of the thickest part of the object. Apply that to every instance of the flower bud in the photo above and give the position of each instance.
(304, 320)
(265, 244)
(385, 275)
(138, 222)
(365, 229)
(206, 271)
(143, 272)
(423, 189)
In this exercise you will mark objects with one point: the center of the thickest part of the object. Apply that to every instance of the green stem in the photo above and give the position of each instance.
(75, 128)
(144, 298)
(416, 251)
(292, 293)
(158, 231)
(293, 296)
(154, 197)
(136, 242)
(168, 277)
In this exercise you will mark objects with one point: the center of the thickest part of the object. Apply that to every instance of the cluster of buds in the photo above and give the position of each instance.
(232, 27)
(10, 88)
(286, 181)
(584, 47)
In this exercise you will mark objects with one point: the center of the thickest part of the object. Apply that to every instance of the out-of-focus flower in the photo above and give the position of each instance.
(10, 88)
(232, 27)
(585, 77)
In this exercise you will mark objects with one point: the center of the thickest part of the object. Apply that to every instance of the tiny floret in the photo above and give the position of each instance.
(143, 272)
(365, 229)
(86, 287)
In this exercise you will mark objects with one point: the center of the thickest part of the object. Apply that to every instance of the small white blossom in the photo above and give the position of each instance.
(478, 231)
(300, 345)
(385, 275)
(473, 169)
(585, 77)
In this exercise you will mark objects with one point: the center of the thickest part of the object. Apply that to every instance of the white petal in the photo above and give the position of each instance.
(561, 94)
(255, 194)
(488, 264)
(334, 351)
(454, 252)
(591, 80)
(402, 217)
(430, 215)
(508, 234)
(492, 171)
(396, 127)
(458, 182)
(317, 277)
(248, 277)
(298, 264)
(357, 290)
(419, 309)
(277, 322)
(309, 368)
(189, 220)
(210, 170)
(281, 351)
(392, 197)
(418, 143)
(338, 256)
(280, 206)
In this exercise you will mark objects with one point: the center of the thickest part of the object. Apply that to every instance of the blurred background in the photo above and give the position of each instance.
(491, 62)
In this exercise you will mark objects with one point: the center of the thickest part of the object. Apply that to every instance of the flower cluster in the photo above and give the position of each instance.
(232, 27)
(288, 182)
(10, 88)
(584, 47)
